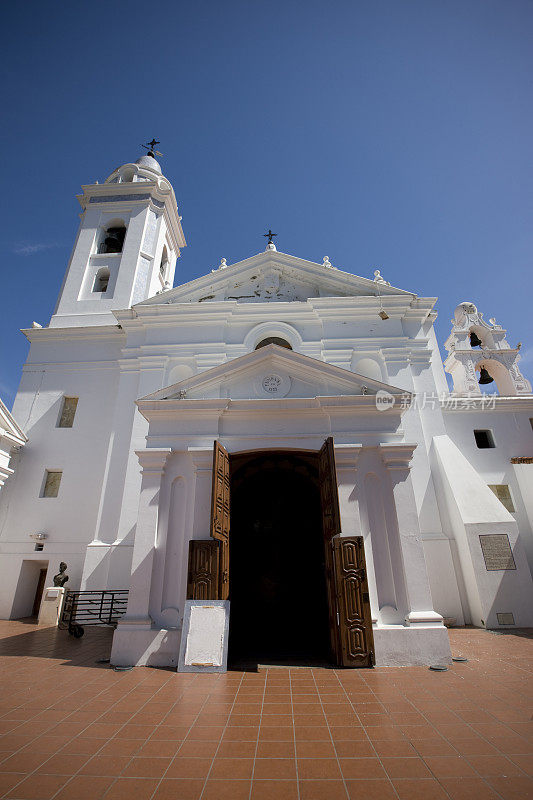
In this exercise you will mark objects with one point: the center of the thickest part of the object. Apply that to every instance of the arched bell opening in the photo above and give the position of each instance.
(101, 280)
(163, 266)
(494, 378)
(111, 238)
(480, 337)
(475, 341)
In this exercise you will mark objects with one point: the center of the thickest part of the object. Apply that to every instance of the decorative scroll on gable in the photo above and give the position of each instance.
(271, 284)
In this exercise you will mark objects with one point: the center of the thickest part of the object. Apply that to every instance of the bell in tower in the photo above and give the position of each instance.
(114, 240)
(475, 341)
(484, 377)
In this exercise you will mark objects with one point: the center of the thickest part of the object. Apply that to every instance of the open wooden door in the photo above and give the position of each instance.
(220, 507)
(353, 603)
(350, 621)
(208, 575)
(331, 524)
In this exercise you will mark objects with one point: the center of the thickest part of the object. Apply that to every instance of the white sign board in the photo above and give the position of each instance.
(204, 636)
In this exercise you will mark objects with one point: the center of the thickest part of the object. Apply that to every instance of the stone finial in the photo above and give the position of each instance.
(326, 262)
(223, 264)
(378, 277)
(36, 325)
(270, 246)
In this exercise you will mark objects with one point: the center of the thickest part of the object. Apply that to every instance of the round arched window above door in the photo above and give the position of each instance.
(273, 340)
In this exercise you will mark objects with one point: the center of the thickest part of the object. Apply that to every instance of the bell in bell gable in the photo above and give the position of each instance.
(484, 377)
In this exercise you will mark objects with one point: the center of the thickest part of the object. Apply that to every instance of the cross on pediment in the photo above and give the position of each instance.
(270, 235)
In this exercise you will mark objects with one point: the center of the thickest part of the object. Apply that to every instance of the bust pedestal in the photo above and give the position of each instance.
(52, 605)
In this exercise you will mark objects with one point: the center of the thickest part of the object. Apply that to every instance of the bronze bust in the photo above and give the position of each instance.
(61, 578)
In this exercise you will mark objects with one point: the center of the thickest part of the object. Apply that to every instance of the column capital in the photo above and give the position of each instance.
(153, 460)
(347, 455)
(397, 456)
(201, 457)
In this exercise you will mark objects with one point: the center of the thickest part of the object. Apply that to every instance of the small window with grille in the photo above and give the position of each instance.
(502, 492)
(68, 411)
(52, 479)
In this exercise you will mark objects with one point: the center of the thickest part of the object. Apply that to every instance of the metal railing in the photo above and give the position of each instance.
(92, 608)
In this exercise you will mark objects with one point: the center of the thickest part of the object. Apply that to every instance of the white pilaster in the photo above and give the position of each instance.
(396, 458)
(152, 463)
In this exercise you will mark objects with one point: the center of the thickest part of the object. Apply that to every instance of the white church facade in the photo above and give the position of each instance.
(277, 432)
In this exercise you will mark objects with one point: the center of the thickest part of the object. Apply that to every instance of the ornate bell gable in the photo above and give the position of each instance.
(480, 353)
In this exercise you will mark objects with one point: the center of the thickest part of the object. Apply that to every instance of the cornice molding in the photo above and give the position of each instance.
(486, 404)
(74, 332)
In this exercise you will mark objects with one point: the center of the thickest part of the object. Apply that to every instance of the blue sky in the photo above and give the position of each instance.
(389, 133)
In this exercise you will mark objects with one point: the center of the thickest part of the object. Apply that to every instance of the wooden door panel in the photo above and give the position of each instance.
(332, 604)
(328, 490)
(204, 570)
(331, 526)
(220, 514)
(354, 617)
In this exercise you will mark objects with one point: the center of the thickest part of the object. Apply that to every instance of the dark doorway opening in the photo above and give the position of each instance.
(39, 592)
(278, 594)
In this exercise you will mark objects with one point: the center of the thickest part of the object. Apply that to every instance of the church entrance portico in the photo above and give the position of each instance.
(212, 525)
(297, 586)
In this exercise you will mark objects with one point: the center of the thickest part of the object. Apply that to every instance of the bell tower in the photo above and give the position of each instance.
(479, 354)
(126, 248)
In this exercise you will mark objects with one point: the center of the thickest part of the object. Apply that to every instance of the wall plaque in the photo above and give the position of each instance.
(204, 636)
(497, 551)
(505, 618)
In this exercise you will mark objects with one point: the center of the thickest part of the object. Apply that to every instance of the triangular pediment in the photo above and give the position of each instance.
(273, 372)
(274, 277)
(9, 428)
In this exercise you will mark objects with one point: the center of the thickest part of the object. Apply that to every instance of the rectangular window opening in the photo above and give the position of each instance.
(484, 439)
(502, 492)
(51, 483)
(68, 412)
(39, 547)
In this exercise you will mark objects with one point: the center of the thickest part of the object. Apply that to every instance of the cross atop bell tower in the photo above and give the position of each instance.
(129, 239)
(150, 146)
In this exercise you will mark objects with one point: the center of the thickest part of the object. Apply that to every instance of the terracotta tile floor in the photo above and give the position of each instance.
(71, 727)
